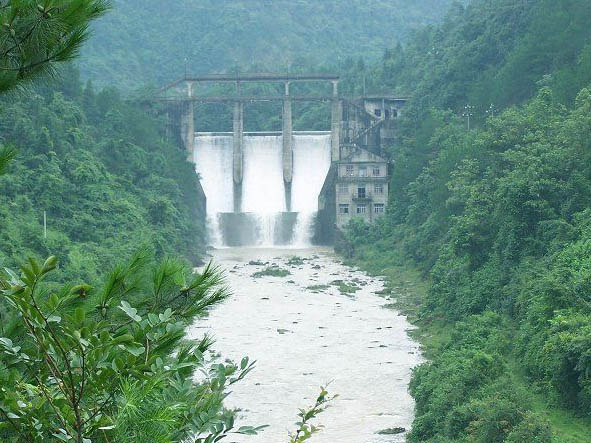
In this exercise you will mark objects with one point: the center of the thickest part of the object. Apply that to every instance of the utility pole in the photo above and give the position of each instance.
(468, 113)
(186, 61)
(491, 111)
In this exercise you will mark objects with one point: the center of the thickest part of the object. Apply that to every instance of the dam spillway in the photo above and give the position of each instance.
(272, 213)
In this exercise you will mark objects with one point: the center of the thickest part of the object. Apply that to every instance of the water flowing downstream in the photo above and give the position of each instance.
(305, 330)
(263, 220)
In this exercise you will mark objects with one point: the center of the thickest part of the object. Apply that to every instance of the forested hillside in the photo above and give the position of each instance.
(496, 218)
(147, 41)
(93, 315)
(491, 53)
(104, 174)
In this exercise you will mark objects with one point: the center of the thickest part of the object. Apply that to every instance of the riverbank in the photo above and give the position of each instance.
(307, 319)
(408, 289)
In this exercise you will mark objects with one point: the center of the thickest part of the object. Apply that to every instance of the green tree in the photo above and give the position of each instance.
(35, 35)
(111, 363)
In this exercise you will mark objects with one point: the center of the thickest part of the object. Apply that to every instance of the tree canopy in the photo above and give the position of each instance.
(205, 36)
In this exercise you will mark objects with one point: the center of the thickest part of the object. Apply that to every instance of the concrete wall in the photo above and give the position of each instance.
(336, 128)
(187, 129)
(287, 142)
(326, 221)
(238, 142)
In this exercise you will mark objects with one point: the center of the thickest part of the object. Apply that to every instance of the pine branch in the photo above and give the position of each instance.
(7, 153)
(34, 37)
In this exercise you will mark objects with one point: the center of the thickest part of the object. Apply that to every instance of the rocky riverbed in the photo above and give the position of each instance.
(307, 320)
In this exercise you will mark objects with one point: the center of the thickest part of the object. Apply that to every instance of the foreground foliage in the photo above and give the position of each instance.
(112, 363)
(35, 35)
(306, 429)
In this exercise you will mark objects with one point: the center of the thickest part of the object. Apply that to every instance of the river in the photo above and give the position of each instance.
(305, 330)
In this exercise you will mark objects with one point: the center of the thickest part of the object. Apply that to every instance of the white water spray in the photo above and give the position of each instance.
(213, 160)
(311, 164)
(263, 189)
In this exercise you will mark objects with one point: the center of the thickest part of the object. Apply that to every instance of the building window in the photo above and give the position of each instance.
(344, 209)
(387, 113)
(343, 188)
(378, 189)
(349, 170)
(361, 209)
(376, 171)
(378, 112)
(362, 171)
(378, 208)
(361, 191)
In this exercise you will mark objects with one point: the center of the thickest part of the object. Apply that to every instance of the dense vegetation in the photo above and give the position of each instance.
(496, 218)
(105, 361)
(103, 172)
(242, 34)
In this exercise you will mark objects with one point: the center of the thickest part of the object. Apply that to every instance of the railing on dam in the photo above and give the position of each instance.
(243, 98)
(260, 133)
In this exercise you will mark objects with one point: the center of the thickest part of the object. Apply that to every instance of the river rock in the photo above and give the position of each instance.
(391, 431)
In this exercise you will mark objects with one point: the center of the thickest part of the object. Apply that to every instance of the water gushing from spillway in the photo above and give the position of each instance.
(263, 190)
(263, 220)
(310, 165)
(213, 160)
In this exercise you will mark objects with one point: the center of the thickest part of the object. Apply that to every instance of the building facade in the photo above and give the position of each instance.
(360, 186)
(357, 183)
(370, 122)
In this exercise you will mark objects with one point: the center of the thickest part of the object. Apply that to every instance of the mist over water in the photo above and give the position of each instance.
(263, 191)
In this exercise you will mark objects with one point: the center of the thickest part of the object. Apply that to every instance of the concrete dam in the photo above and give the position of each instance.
(284, 188)
(264, 210)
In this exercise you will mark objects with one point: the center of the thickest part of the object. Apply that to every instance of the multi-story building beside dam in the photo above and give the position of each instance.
(357, 183)
(357, 186)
